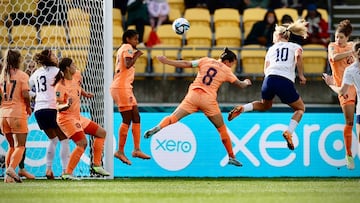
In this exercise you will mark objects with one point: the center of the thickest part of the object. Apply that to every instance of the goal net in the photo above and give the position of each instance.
(72, 28)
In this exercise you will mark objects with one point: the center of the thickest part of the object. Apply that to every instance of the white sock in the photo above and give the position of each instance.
(292, 125)
(248, 107)
(51, 152)
(64, 153)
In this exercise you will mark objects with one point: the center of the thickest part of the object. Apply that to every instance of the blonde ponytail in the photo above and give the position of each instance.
(296, 28)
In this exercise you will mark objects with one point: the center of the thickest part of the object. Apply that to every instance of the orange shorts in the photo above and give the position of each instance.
(351, 97)
(70, 126)
(13, 125)
(84, 122)
(89, 126)
(198, 99)
(124, 98)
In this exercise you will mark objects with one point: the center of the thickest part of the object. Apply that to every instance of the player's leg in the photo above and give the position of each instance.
(217, 121)
(46, 119)
(80, 140)
(348, 110)
(185, 108)
(126, 114)
(211, 109)
(99, 133)
(267, 94)
(136, 134)
(16, 156)
(64, 148)
(22, 171)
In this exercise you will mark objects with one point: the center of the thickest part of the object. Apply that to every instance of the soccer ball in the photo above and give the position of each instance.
(181, 26)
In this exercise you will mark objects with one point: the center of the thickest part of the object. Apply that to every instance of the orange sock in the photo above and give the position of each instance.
(122, 136)
(16, 156)
(348, 138)
(74, 159)
(225, 138)
(136, 135)
(98, 147)
(168, 121)
(8, 156)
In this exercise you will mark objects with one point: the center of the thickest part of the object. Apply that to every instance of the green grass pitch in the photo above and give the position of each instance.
(173, 190)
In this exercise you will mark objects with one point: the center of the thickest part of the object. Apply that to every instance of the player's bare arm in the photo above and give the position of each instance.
(129, 62)
(176, 63)
(300, 66)
(242, 83)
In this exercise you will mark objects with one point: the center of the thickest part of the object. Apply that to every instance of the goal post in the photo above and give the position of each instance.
(78, 29)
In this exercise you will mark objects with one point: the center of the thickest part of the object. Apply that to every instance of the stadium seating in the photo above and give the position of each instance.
(252, 59)
(250, 17)
(117, 17)
(226, 17)
(199, 36)
(78, 17)
(79, 57)
(53, 35)
(4, 36)
(280, 12)
(315, 59)
(198, 17)
(168, 51)
(117, 36)
(168, 36)
(323, 12)
(142, 63)
(229, 36)
(79, 35)
(177, 4)
(24, 35)
(174, 13)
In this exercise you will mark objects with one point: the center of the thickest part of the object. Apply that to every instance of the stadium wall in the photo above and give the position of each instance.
(174, 90)
(192, 148)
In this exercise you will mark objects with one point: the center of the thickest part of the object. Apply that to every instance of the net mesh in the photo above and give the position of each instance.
(73, 28)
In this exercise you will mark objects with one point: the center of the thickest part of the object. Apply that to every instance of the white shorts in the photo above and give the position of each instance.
(157, 9)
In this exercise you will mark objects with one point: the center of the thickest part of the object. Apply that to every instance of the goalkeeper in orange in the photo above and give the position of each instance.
(202, 94)
(122, 93)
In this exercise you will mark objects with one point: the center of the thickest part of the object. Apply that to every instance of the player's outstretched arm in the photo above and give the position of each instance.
(176, 63)
(242, 83)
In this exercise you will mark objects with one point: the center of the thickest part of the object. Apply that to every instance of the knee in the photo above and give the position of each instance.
(82, 143)
(102, 133)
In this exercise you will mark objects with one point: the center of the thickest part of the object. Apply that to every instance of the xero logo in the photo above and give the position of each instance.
(174, 147)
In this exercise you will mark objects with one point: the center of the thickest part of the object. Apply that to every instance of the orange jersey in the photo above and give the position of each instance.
(338, 67)
(13, 103)
(69, 89)
(124, 77)
(212, 73)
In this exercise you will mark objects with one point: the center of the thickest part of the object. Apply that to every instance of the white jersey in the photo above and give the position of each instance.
(43, 79)
(352, 77)
(281, 59)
